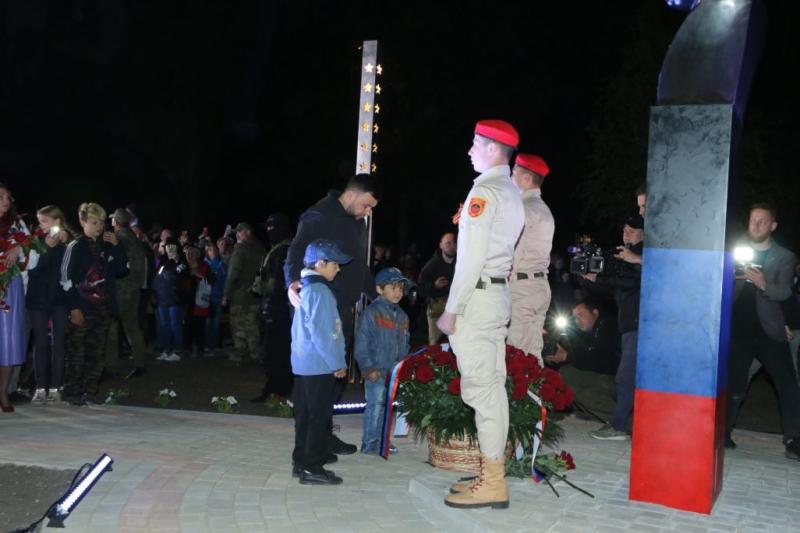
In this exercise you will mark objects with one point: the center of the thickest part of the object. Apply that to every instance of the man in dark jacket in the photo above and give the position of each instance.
(434, 282)
(275, 314)
(758, 325)
(622, 276)
(589, 361)
(339, 216)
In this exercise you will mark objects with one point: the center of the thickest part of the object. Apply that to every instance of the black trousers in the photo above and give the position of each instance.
(312, 414)
(777, 362)
(277, 355)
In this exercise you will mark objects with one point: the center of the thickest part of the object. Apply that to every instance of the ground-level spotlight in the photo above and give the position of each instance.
(77, 491)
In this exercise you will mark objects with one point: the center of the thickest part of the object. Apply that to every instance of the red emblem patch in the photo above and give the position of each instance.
(476, 206)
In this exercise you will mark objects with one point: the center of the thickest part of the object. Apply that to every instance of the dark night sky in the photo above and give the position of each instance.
(207, 112)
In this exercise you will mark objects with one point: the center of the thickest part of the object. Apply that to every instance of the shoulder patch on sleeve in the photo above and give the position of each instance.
(476, 206)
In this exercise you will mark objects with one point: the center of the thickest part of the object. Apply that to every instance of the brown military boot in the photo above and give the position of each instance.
(489, 488)
(463, 484)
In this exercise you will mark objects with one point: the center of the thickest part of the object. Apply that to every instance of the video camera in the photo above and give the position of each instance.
(587, 258)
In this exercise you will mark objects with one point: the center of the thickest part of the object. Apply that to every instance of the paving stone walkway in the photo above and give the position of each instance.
(181, 471)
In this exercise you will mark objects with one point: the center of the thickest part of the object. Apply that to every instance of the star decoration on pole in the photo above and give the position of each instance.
(369, 66)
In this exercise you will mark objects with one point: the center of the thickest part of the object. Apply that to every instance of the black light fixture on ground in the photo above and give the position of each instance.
(61, 510)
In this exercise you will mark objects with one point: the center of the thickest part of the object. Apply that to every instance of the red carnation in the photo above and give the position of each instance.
(425, 374)
(534, 374)
(454, 387)
(547, 392)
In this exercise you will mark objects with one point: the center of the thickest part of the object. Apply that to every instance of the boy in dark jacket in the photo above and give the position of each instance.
(91, 264)
(317, 359)
(382, 339)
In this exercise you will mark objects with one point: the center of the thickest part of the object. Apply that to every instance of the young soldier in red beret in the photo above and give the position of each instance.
(479, 305)
(530, 291)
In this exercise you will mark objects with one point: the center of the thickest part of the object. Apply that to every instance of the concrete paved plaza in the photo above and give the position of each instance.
(204, 472)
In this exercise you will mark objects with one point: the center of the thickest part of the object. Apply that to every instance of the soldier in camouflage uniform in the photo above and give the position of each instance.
(128, 294)
(245, 264)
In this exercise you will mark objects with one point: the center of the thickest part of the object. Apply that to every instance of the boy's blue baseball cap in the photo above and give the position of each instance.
(391, 275)
(325, 250)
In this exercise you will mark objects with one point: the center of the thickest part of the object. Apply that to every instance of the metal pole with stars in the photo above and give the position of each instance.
(367, 145)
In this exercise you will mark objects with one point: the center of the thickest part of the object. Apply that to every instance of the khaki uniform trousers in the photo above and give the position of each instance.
(530, 299)
(479, 345)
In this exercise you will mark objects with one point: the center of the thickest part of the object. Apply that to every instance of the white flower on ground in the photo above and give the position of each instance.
(172, 394)
(214, 399)
(231, 400)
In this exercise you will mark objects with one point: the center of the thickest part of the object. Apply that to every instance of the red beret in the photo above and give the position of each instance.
(498, 130)
(534, 163)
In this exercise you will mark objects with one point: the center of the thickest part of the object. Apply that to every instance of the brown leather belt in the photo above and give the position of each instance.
(523, 275)
(494, 281)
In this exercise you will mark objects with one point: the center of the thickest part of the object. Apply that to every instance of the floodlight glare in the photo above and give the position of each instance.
(561, 322)
(75, 494)
(743, 254)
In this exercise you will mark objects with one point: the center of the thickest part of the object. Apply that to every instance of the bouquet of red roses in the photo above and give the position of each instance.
(429, 395)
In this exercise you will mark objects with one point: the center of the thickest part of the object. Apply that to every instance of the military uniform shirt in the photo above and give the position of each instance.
(488, 229)
(532, 254)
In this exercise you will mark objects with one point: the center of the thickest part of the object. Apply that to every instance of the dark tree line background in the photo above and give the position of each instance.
(210, 112)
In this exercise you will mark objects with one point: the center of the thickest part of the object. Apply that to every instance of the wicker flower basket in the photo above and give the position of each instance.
(457, 454)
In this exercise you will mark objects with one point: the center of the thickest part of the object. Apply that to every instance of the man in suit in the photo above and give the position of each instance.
(757, 325)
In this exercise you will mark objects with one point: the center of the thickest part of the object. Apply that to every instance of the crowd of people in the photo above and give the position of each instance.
(311, 304)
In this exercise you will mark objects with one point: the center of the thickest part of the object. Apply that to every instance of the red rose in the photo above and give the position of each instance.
(534, 374)
(532, 364)
(567, 458)
(519, 391)
(454, 387)
(425, 374)
(547, 392)
(406, 372)
(421, 360)
(552, 377)
(559, 402)
(441, 358)
(516, 365)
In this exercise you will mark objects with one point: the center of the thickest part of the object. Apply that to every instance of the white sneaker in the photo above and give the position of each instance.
(54, 395)
(172, 358)
(40, 396)
(162, 357)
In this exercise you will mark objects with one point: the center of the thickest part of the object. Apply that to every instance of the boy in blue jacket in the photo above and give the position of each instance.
(382, 339)
(318, 358)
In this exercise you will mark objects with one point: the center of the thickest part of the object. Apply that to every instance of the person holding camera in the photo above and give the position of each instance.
(530, 290)
(588, 360)
(758, 326)
(622, 276)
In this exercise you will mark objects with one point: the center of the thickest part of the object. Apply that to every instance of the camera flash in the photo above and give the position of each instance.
(743, 254)
(561, 322)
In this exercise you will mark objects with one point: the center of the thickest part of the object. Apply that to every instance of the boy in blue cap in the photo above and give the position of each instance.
(382, 339)
(318, 358)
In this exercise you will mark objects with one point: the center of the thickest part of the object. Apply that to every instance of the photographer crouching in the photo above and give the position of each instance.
(588, 359)
(621, 275)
